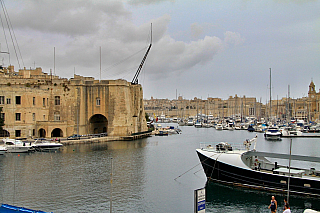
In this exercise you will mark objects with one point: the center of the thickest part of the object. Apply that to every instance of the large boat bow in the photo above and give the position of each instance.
(236, 164)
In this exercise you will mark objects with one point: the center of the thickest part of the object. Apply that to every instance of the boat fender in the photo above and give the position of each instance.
(256, 163)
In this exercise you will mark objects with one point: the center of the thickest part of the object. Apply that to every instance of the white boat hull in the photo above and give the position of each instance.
(17, 146)
(229, 165)
(3, 149)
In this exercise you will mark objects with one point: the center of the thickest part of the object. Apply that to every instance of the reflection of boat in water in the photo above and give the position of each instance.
(9, 208)
(230, 198)
(44, 145)
(232, 164)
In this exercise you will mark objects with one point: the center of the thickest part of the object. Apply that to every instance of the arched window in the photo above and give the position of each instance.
(57, 116)
(56, 100)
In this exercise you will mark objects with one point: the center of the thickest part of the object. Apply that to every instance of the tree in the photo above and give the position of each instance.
(147, 117)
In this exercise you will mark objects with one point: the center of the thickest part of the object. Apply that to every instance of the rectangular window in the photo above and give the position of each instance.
(33, 132)
(44, 102)
(251, 111)
(18, 116)
(98, 101)
(8, 100)
(18, 133)
(34, 101)
(33, 116)
(2, 116)
(56, 116)
(56, 100)
(1, 99)
(18, 99)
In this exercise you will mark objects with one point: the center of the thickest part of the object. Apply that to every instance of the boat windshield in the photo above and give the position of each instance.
(221, 146)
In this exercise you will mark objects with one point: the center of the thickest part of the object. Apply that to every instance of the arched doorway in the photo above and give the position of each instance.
(98, 124)
(4, 133)
(42, 133)
(56, 133)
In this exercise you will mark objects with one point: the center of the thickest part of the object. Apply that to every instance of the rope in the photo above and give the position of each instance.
(12, 34)
(196, 166)
(214, 167)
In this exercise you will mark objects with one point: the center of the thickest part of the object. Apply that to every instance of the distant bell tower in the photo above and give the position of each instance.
(312, 98)
(312, 90)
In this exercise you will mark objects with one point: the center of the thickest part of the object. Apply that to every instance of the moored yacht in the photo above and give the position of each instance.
(44, 145)
(198, 125)
(17, 146)
(290, 132)
(272, 133)
(190, 122)
(238, 165)
(219, 127)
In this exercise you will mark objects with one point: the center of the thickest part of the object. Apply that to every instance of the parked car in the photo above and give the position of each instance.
(104, 134)
(74, 137)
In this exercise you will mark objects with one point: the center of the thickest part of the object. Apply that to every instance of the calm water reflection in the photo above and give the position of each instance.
(77, 178)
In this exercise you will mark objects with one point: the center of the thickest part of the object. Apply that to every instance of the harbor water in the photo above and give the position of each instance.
(156, 174)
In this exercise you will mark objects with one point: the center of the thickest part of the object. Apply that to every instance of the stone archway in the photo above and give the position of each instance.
(42, 133)
(57, 132)
(98, 124)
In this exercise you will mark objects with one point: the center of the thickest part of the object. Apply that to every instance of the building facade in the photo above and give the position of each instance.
(285, 109)
(36, 104)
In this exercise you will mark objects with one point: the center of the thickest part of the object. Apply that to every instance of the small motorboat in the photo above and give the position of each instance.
(162, 133)
(197, 125)
(251, 128)
(44, 145)
(219, 127)
(290, 132)
(17, 146)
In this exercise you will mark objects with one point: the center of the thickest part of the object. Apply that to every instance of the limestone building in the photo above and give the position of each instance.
(284, 109)
(36, 104)
(314, 102)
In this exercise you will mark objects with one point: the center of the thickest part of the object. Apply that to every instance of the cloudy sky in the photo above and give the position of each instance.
(200, 48)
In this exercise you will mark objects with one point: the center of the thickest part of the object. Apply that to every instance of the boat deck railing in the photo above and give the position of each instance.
(222, 147)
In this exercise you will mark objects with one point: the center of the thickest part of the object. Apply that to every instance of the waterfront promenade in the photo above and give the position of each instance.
(86, 140)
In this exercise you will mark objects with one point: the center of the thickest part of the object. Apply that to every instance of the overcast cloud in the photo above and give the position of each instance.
(199, 48)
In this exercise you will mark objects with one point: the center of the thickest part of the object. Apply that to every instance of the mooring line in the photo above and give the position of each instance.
(195, 166)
